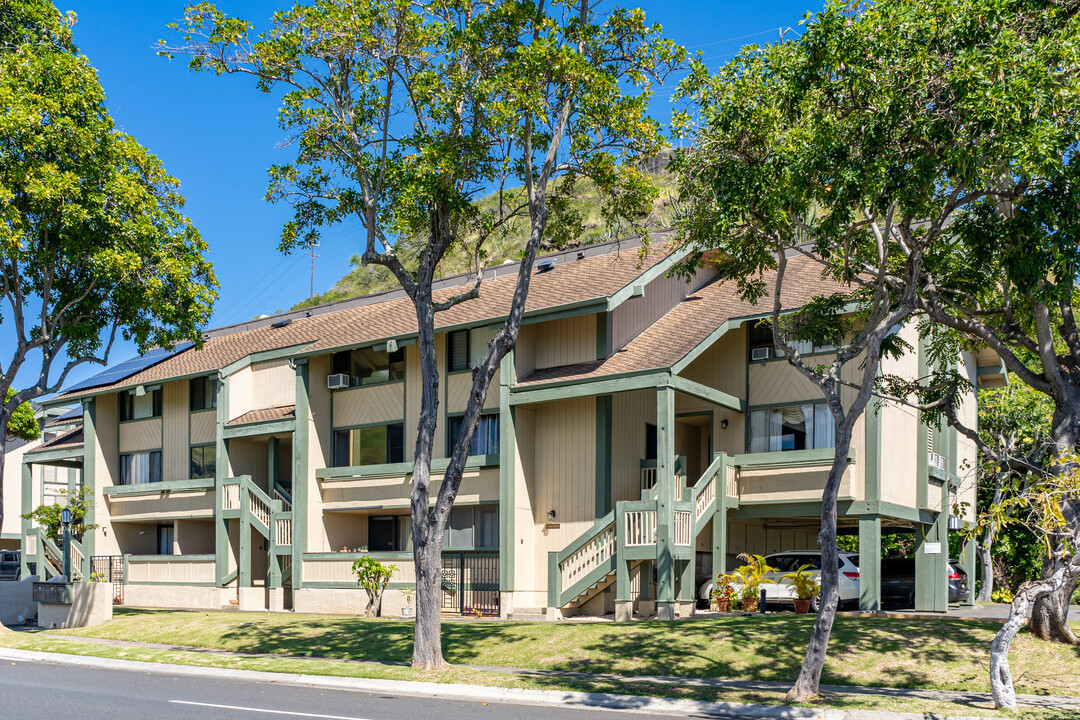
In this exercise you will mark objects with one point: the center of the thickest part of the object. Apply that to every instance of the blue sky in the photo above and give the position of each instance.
(218, 135)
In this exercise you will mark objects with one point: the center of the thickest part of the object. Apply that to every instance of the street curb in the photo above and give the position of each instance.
(480, 693)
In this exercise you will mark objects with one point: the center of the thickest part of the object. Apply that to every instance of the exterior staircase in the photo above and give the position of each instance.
(272, 518)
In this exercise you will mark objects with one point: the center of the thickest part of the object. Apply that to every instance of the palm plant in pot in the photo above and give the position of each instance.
(723, 591)
(807, 586)
(751, 577)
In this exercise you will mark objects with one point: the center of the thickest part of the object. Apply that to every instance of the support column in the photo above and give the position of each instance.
(301, 471)
(603, 455)
(870, 562)
(687, 606)
(931, 554)
(719, 520)
(27, 489)
(967, 561)
(221, 471)
(243, 566)
(665, 503)
(89, 480)
(507, 484)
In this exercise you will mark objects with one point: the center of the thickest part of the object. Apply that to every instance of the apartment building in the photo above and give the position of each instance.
(640, 435)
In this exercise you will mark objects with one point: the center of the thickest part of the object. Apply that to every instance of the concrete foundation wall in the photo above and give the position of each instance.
(17, 598)
(345, 601)
(176, 596)
(91, 604)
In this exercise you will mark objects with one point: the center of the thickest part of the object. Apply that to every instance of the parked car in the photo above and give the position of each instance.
(779, 591)
(10, 565)
(898, 582)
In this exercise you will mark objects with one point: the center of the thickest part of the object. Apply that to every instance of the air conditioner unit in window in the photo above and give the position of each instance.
(761, 353)
(337, 382)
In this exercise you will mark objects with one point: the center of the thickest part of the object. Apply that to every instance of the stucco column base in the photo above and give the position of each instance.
(277, 600)
(253, 598)
(624, 611)
(646, 608)
(554, 613)
(506, 604)
(665, 611)
(686, 609)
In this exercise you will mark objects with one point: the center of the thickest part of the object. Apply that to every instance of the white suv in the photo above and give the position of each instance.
(778, 590)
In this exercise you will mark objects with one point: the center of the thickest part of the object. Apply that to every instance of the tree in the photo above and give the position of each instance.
(402, 114)
(92, 240)
(21, 424)
(858, 148)
(1014, 424)
(48, 516)
(373, 576)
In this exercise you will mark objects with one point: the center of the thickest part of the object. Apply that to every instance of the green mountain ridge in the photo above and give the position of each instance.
(366, 280)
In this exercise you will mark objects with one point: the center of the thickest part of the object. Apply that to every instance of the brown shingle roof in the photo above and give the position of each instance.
(690, 323)
(70, 438)
(567, 282)
(274, 413)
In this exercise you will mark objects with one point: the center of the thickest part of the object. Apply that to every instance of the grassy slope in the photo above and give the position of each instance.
(929, 654)
(366, 280)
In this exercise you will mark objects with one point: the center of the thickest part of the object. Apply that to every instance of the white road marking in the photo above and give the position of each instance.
(265, 710)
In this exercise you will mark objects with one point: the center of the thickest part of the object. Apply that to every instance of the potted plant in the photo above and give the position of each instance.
(723, 591)
(806, 585)
(751, 577)
(409, 592)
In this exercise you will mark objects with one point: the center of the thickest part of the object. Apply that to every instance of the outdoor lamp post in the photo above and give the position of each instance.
(65, 520)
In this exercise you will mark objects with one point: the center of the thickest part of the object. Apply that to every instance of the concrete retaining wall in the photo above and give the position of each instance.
(17, 598)
(177, 596)
(344, 601)
(91, 604)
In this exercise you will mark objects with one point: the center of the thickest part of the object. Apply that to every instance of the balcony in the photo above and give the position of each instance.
(189, 498)
(379, 486)
(789, 476)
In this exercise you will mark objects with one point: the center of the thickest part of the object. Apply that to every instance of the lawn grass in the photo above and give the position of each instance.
(48, 642)
(939, 654)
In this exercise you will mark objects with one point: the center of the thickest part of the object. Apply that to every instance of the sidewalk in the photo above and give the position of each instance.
(950, 696)
(554, 698)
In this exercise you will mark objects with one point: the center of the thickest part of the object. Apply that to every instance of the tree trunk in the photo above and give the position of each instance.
(986, 562)
(806, 686)
(427, 637)
(1049, 619)
(1001, 684)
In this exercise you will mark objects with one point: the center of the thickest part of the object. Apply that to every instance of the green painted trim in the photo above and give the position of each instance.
(209, 557)
(243, 575)
(587, 387)
(362, 472)
(169, 584)
(789, 458)
(263, 356)
(159, 488)
(872, 464)
(604, 421)
(704, 392)
(44, 457)
(221, 472)
(665, 494)
(27, 527)
(195, 515)
(253, 429)
(870, 562)
(301, 473)
(992, 370)
(646, 277)
(507, 472)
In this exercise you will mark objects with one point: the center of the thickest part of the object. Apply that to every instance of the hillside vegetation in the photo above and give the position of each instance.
(364, 280)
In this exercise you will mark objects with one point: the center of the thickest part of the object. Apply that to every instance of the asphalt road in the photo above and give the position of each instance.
(33, 691)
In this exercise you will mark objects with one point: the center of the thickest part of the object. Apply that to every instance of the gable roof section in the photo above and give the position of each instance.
(598, 276)
(689, 324)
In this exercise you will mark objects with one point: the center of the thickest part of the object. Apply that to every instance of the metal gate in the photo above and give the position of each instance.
(470, 583)
(110, 569)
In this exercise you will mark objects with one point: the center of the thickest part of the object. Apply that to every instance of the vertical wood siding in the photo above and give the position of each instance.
(636, 314)
(273, 384)
(240, 392)
(630, 412)
(175, 453)
(140, 435)
(203, 427)
(369, 405)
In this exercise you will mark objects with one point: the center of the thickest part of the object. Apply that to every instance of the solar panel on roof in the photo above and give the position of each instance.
(129, 367)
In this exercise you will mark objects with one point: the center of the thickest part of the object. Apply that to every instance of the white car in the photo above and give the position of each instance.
(778, 590)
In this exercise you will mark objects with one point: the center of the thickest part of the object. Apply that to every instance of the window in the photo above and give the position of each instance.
(137, 407)
(203, 393)
(370, 366)
(203, 461)
(465, 349)
(796, 427)
(139, 468)
(760, 342)
(369, 446)
(650, 441)
(165, 536)
(486, 439)
(474, 526)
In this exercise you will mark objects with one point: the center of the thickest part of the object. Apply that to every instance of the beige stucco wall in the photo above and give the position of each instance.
(177, 596)
(91, 605)
(273, 384)
(162, 506)
(106, 470)
(345, 601)
(900, 430)
(17, 598)
(477, 486)
(967, 454)
(240, 392)
(796, 484)
(320, 450)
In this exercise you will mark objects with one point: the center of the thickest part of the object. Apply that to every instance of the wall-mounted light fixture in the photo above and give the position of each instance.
(723, 424)
(551, 515)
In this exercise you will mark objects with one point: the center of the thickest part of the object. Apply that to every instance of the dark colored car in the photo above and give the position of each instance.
(898, 582)
(9, 564)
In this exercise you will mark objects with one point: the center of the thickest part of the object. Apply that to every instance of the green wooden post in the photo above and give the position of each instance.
(273, 472)
(686, 581)
(27, 489)
(719, 520)
(870, 562)
(931, 582)
(967, 560)
(89, 479)
(507, 476)
(665, 502)
(243, 572)
(603, 455)
(221, 471)
(300, 473)
(554, 584)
